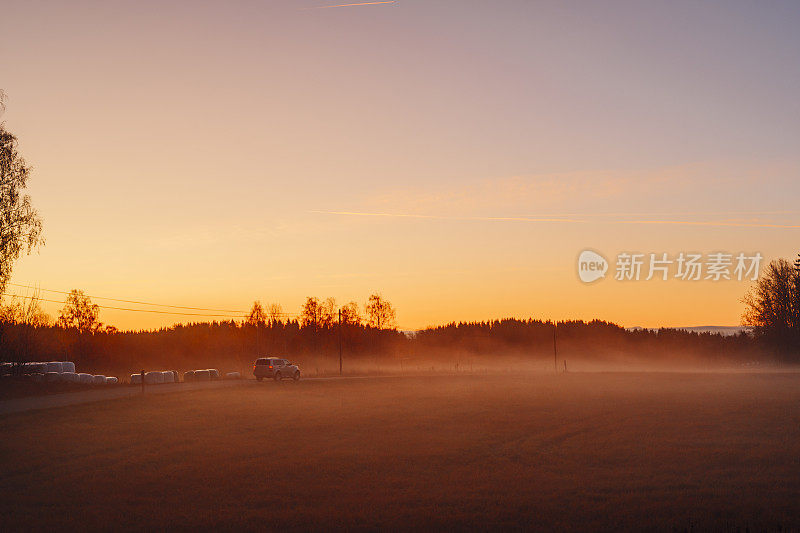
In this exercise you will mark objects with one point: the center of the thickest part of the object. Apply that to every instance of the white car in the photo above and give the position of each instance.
(277, 369)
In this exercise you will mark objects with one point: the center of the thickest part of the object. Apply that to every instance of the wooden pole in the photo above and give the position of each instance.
(555, 348)
(340, 342)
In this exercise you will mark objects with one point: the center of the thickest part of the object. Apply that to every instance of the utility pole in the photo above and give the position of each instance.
(340, 342)
(555, 348)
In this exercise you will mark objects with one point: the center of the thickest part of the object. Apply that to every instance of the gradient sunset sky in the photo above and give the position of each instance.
(456, 156)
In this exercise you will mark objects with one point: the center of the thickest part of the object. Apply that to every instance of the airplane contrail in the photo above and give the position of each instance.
(720, 224)
(354, 5)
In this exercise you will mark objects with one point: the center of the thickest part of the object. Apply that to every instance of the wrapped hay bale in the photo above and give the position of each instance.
(168, 377)
(52, 377)
(34, 368)
(37, 378)
(111, 380)
(188, 377)
(136, 379)
(175, 377)
(202, 375)
(98, 379)
(67, 366)
(214, 373)
(233, 375)
(70, 377)
(53, 366)
(85, 379)
(151, 378)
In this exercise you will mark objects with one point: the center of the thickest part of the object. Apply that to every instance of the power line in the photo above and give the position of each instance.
(145, 303)
(127, 308)
(133, 301)
(38, 298)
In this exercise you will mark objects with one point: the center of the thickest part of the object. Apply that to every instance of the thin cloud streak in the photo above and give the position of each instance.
(438, 217)
(353, 5)
(570, 220)
(674, 213)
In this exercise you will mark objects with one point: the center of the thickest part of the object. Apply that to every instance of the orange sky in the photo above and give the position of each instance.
(455, 157)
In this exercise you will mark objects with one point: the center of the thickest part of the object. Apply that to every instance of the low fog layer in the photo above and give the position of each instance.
(499, 346)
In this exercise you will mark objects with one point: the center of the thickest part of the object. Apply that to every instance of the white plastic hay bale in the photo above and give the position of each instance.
(99, 379)
(5, 368)
(67, 366)
(53, 366)
(214, 373)
(84, 378)
(37, 378)
(151, 378)
(53, 377)
(70, 377)
(34, 368)
(168, 376)
(111, 380)
(202, 375)
(159, 377)
(136, 379)
(175, 376)
(188, 377)
(233, 375)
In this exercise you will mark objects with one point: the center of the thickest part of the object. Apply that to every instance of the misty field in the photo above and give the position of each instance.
(584, 451)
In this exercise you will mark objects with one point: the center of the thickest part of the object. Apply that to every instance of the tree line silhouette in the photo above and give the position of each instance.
(27, 334)
(313, 339)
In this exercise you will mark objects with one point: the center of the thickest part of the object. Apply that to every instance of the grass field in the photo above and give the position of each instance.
(577, 451)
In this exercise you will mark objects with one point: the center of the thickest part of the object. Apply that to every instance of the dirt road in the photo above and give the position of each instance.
(30, 403)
